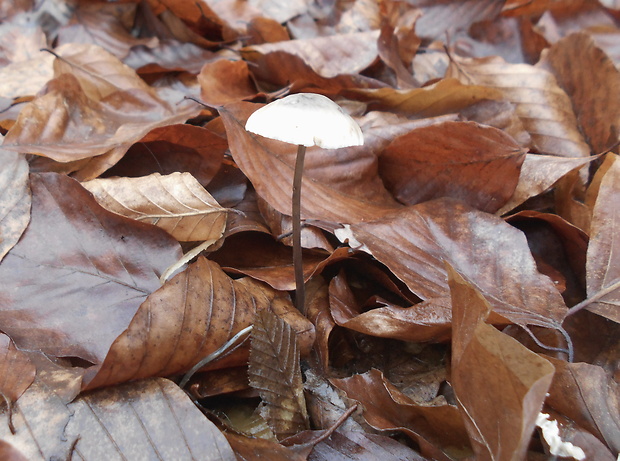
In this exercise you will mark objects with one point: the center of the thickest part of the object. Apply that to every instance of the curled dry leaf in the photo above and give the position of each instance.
(339, 185)
(386, 408)
(100, 107)
(16, 369)
(544, 108)
(539, 173)
(603, 264)
(474, 163)
(77, 276)
(15, 199)
(144, 420)
(327, 56)
(191, 316)
(415, 242)
(485, 363)
(275, 372)
(223, 81)
(176, 203)
(595, 95)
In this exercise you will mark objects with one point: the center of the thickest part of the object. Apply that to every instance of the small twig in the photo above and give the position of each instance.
(592, 299)
(226, 348)
(569, 343)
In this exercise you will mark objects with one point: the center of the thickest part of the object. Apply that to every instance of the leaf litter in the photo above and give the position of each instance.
(462, 266)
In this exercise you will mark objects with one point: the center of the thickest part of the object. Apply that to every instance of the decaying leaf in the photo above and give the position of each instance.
(274, 371)
(16, 369)
(485, 364)
(75, 279)
(14, 199)
(176, 203)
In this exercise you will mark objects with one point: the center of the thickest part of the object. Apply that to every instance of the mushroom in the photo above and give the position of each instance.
(305, 119)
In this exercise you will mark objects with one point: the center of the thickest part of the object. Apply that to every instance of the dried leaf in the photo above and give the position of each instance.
(75, 279)
(544, 108)
(415, 242)
(145, 420)
(249, 449)
(478, 165)
(275, 372)
(485, 364)
(595, 95)
(15, 200)
(539, 173)
(176, 203)
(386, 408)
(453, 15)
(603, 266)
(223, 82)
(331, 191)
(191, 316)
(17, 371)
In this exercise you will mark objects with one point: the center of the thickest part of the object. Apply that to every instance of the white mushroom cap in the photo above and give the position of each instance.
(306, 119)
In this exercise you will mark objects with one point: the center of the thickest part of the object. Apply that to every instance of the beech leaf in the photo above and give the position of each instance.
(75, 279)
(275, 372)
(15, 199)
(17, 370)
(176, 203)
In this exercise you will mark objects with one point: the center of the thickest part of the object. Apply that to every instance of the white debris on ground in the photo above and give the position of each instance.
(551, 434)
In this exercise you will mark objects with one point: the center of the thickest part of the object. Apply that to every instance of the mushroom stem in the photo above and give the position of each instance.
(300, 292)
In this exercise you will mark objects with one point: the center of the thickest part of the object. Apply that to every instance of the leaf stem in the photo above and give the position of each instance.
(300, 294)
(592, 299)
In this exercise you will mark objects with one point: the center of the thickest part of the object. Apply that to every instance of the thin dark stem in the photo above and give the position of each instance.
(300, 292)
(592, 299)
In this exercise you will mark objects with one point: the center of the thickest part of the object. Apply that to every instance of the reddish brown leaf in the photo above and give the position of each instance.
(478, 165)
(9, 453)
(485, 365)
(275, 372)
(595, 95)
(77, 276)
(222, 82)
(16, 370)
(416, 241)
(191, 316)
(14, 199)
(331, 191)
(544, 108)
(248, 449)
(588, 396)
(603, 266)
(386, 408)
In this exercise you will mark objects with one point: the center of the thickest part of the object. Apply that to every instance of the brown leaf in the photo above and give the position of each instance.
(275, 372)
(172, 148)
(416, 241)
(9, 453)
(445, 96)
(75, 279)
(477, 164)
(191, 316)
(223, 81)
(544, 108)
(485, 364)
(249, 449)
(17, 371)
(539, 173)
(15, 199)
(595, 95)
(104, 111)
(176, 203)
(386, 408)
(426, 321)
(588, 396)
(339, 185)
(144, 420)
(603, 265)
(327, 56)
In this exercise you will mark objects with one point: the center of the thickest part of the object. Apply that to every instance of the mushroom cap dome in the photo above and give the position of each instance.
(306, 119)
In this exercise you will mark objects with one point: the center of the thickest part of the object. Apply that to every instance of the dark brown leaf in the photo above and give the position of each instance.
(77, 276)
(16, 370)
(275, 372)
